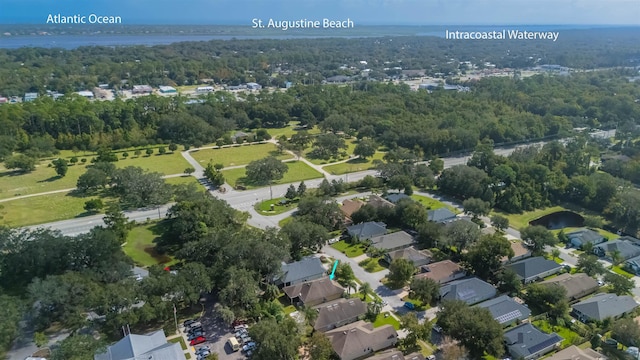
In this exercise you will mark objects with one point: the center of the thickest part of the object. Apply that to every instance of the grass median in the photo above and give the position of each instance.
(298, 171)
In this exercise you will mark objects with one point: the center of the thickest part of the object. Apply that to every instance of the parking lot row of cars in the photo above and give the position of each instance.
(196, 335)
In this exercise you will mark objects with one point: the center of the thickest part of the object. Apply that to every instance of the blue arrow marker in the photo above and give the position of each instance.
(333, 272)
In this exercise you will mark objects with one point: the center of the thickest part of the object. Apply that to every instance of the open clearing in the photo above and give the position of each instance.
(353, 165)
(238, 155)
(298, 171)
(167, 164)
(42, 179)
(141, 248)
(42, 209)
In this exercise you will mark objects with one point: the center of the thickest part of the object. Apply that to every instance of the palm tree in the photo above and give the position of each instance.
(616, 257)
(555, 253)
(351, 284)
(310, 314)
(365, 290)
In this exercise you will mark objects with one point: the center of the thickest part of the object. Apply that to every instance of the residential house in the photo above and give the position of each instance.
(394, 241)
(633, 265)
(535, 268)
(520, 251)
(442, 215)
(337, 79)
(630, 239)
(350, 206)
(416, 257)
(528, 342)
(361, 339)
(576, 285)
(624, 248)
(395, 354)
(307, 269)
(396, 197)
(338, 313)
(30, 96)
(602, 306)
(582, 236)
(506, 310)
(368, 230)
(316, 292)
(441, 271)
(150, 346)
(253, 86)
(471, 291)
(575, 353)
(378, 202)
(142, 89)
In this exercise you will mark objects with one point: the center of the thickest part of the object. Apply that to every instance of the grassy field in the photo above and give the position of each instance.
(353, 165)
(351, 144)
(238, 155)
(351, 250)
(184, 180)
(43, 179)
(389, 320)
(620, 271)
(264, 207)
(432, 204)
(284, 221)
(41, 209)
(520, 221)
(167, 164)
(140, 247)
(289, 130)
(371, 265)
(298, 171)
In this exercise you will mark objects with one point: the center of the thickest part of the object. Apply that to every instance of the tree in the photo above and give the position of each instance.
(239, 294)
(106, 155)
(537, 237)
(476, 207)
(265, 171)
(225, 314)
(40, 339)
(138, 188)
(162, 150)
(344, 274)
(365, 290)
(320, 347)
(590, 265)
(189, 170)
(509, 282)
(302, 235)
(21, 162)
(619, 284)
(436, 165)
(327, 146)
(137, 153)
(365, 148)
(276, 340)
(400, 272)
(149, 151)
(551, 299)
(616, 257)
(173, 147)
(291, 192)
(78, 347)
(73, 160)
(555, 253)
(61, 166)
(626, 331)
(11, 314)
(424, 289)
(415, 331)
(302, 188)
(116, 221)
(485, 257)
(214, 175)
(91, 180)
(461, 234)
(93, 205)
(500, 222)
(474, 327)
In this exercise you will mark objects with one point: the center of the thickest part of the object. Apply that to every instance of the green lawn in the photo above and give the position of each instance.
(419, 305)
(351, 144)
(432, 204)
(353, 165)
(389, 320)
(520, 221)
(239, 155)
(180, 340)
(264, 207)
(567, 334)
(298, 171)
(184, 180)
(289, 130)
(167, 164)
(42, 179)
(618, 270)
(140, 247)
(41, 209)
(371, 265)
(284, 221)
(351, 250)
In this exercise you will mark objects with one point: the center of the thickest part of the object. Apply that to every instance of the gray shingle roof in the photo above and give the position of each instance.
(585, 235)
(440, 215)
(148, 346)
(534, 266)
(411, 254)
(602, 306)
(505, 310)
(526, 340)
(396, 197)
(367, 230)
(626, 248)
(394, 240)
(307, 268)
(471, 290)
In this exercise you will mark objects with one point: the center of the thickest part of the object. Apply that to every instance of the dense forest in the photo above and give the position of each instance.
(273, 62)
(503, 110)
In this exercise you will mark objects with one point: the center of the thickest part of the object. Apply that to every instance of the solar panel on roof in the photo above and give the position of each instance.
(552, 340)
(509, 316)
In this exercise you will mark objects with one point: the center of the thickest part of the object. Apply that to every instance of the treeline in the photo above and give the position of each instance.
(239, 61)
(500, 109)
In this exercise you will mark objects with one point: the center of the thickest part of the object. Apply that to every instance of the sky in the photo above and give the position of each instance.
(362, 12)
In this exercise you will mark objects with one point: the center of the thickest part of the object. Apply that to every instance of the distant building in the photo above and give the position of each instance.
(86, 93)
(150, 346)
(337, 79)
(142, 89)
(349, 206)
(520, 251)
(575, 353)
(168, 90)
(378, 202)
(236, 87)
(288, 84)
(253, 86)
(624, 248)
(396, 197)
(3, 100)
(204, 89)
(30, 96)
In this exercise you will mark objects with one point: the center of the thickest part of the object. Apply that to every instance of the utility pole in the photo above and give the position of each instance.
(175, 317)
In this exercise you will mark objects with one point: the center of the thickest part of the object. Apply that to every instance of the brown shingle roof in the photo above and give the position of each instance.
(350, 206)
(360, 338)
(519, 249)
(378, 202)
(337, 311)
(575, 353)
(440, 271)
(577, 285)
(311, 291)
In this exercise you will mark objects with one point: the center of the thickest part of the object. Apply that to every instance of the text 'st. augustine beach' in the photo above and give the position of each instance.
(502, 35)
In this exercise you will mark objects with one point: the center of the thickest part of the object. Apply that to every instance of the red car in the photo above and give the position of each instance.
(198, 340)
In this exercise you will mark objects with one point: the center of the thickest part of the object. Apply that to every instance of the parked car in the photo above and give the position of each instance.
(197, 340)
(195, 329)
(409, 305)
(437, 328)
(249, 346)
(203, 355)
(187, 323)
(194, 324)
(240, 328)
(194, 335)
(241, 333)
(203, 349)
(245, 339)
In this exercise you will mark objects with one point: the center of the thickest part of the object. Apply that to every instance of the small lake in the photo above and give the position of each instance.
(559, 220)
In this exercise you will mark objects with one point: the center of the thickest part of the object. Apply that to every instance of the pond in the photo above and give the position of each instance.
(559, 220)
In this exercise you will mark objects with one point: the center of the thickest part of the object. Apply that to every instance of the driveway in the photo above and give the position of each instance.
(217, 334)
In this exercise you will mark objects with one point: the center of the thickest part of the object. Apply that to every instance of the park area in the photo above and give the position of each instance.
(353, 165)
(140, 246)
(238, 155)
(42, 209)
(298, 171)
